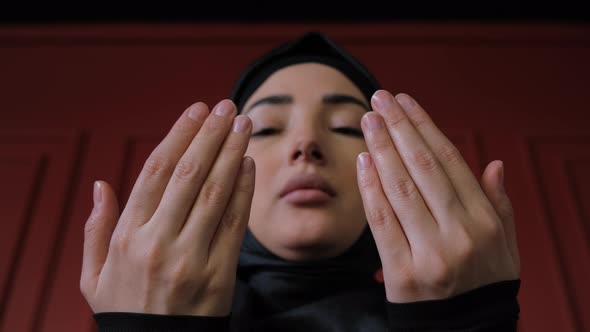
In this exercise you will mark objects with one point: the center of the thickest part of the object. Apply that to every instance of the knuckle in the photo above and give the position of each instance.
(92, 223)
(440, 275)
(214, 123)
(156, 165)
(492, 231)
(219, 285)
(449, 154)
(367, 182)
(450, 201)
(153, 258)
(181, 277)
(406, 280)
(186, 171)
(403, 189)
(381, 145)
(244, 186)
(213, 194)
(121, 242)
(466, 247)
(232, 220)
(425, 160)
(233, 145)
(419, 117)
(460, 234)
(408, 284)
(379, 217)
(396, 119)
(185, 128)
(489, 226)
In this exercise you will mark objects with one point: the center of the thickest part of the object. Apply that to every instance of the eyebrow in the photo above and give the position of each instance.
(271, 100)
(339, 98)
(330, 99)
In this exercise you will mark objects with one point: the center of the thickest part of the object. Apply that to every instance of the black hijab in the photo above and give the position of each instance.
(335, 294)
(311, 47)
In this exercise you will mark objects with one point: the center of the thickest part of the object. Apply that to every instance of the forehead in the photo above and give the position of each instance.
(306, 80)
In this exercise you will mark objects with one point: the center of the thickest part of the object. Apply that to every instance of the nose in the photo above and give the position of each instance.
(307, 151)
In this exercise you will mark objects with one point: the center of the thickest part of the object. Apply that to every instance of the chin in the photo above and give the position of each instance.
(305, 233)
(308, 239)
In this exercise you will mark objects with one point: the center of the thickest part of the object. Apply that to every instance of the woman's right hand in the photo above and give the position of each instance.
(174, 248)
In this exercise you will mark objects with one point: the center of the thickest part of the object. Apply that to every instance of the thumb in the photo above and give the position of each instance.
(97, 235)
(492, 183)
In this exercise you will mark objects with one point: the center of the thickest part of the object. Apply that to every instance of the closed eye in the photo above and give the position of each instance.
(349, 131)
(341, 130)
(265, 132)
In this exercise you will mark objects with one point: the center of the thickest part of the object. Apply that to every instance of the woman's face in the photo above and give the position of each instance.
(306, 121)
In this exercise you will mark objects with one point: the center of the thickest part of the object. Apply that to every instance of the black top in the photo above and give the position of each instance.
(336, 294)
(489, 308)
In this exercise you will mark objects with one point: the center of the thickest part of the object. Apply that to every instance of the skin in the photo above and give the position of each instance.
(174, 247)
(438, 231)
(306, 140)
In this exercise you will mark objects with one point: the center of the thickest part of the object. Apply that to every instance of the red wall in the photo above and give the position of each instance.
(86, 103)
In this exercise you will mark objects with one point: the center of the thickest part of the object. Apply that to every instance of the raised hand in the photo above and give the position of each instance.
(174, 248)
(438, 231)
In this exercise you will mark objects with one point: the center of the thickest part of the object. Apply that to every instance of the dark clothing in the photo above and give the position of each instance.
(337, 294)
(311, 47)
(489, 308)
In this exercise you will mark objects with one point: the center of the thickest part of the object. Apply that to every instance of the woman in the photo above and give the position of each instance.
(439, 251)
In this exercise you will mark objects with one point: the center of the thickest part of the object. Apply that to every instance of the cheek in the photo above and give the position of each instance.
(266, 169)
(346, 154)
(346, 170)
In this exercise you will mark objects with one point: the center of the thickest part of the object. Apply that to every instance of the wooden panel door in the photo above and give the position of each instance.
(87, 103)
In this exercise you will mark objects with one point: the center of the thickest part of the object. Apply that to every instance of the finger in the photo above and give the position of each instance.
(387, 231)
(399, 188)
(213, 198)
(226, 243)
(153, 179)
(192, 170)
(460, 175)
(97, 235)
(493, 186)
(422, 164)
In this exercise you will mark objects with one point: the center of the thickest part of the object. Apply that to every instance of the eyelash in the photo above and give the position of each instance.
(350, 131)
(342, 130)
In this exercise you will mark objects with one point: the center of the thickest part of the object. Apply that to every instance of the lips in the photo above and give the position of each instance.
(307, 181)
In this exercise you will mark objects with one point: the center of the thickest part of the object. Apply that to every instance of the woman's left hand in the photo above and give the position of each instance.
(438, 232)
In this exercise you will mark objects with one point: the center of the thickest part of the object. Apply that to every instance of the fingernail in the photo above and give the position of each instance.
(240, 124)
(406, 101)
(364, 160)
(247, 165)
(97, 194)
(373, 121)
(196, 113)
(224, 108)
(382, 99)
